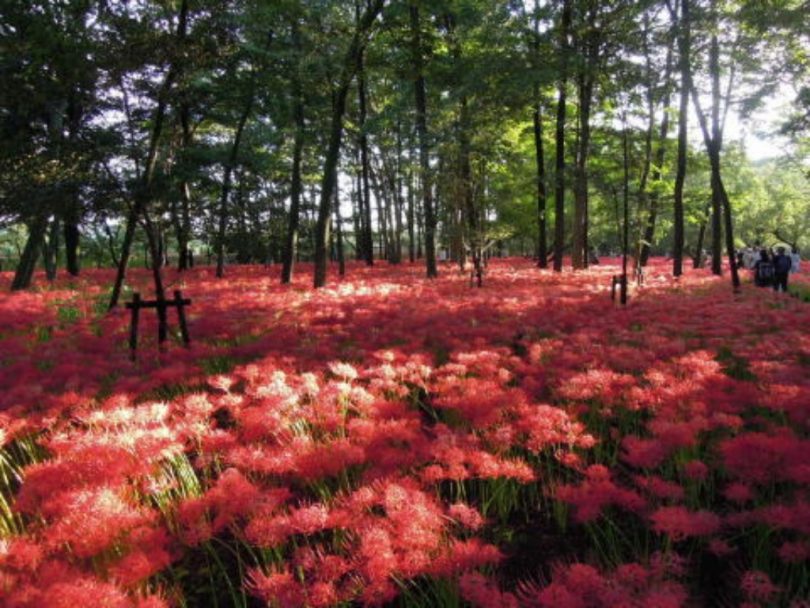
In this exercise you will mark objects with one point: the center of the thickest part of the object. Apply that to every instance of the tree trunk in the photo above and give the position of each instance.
(714, 141)
(697, 258)
(291, 242)
(542, 245)
(559, 177)
(28, 260)
(684, 44)
(341, 256)
(72, 236)
(381, 197)
(368, 241)
(652, 217)
(424, 151)
(475, 236)
(411, 215)
(717, 201)
(230, 163)
(144, 192)
(183, 221)
(579, 254)
(329, 180)
(399, 200)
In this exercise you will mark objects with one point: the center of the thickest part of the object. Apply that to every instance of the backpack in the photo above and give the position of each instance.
(782, 264)
(764, 273)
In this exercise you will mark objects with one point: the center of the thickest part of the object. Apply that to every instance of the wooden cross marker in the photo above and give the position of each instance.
(160, 305)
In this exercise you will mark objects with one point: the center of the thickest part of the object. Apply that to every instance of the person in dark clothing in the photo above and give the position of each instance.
(781, 268)
(763, 270)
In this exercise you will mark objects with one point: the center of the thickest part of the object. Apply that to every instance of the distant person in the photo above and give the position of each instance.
(795, 260)
(781, 268)
(749, 258)
(763, 270)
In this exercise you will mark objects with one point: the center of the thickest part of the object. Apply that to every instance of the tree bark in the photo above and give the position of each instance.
(717, 201)
(230, 163)
(291, 242)
(411, 215)
(684, 48)
(424, 149)
(559, 177)
(183, 221)
(713, 141)
(322, 226)
(660, 153)
(341, 256)
(144, 192)
(28, 260)
(542, 245)
(368, 240)
(72, 237)
(590, 47)
(470, 210)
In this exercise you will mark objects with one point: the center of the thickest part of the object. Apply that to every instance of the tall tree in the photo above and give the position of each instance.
(144, 193)
(589, 50)
(540, 163)
(684, 46)
(291, 242)
(559, 164)
(425, 177)
(348, 70)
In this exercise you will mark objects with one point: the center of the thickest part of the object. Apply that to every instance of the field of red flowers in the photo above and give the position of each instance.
(403, 442)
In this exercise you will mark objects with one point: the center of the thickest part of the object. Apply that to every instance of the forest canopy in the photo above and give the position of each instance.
(246, 131)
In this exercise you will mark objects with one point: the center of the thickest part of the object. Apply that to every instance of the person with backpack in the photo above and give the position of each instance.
(763, 270)
(781, 268)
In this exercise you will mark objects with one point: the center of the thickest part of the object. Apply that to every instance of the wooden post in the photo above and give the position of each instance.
(133, 329)
(181, 315)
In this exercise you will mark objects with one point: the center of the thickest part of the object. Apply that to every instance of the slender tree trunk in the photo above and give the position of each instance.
(341, 256)
(476, 246)
(424, 151)
(684, 44)
(660, 153)
(152, 239)
(399, 199)
(559, 177)
(382, 203)
(111, 243)
(411, 210)
(183, 219)
(651, 84)
(329, 182)
(365, 169)
(697, 258)
(717, 201)
(144, 193)
(50, 250)
(230, 163)
(291, 242)
(579, 252)
(72, 237)
(626, 201)
(542, 245)
(30, 254)
(357, 210)
(322, 226)
(714, 141)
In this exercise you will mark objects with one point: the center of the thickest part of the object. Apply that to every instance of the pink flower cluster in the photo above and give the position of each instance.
(346, 445)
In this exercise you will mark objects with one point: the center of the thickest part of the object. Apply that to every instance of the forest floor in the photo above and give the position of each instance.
(391, 440)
